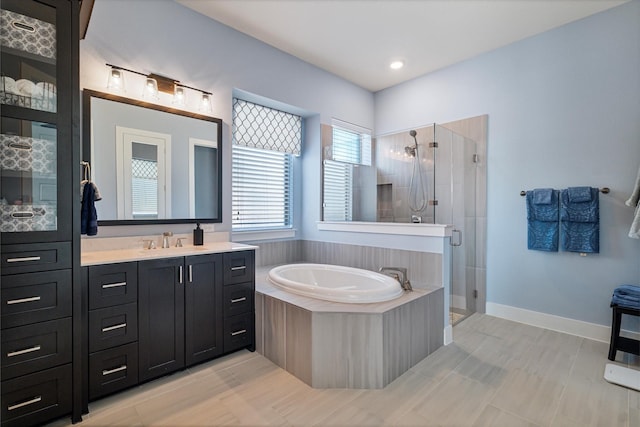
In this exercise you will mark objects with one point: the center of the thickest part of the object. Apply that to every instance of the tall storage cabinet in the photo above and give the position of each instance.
(39, 209)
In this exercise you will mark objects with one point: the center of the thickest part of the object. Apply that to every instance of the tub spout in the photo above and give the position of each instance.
(398, 273)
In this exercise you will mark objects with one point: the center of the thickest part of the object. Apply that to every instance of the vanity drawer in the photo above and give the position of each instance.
(238, 267)
(35, 297)
(31, 348)
(238, 299)
(112, 370)
(238, 332)
(36, 398)
(113, 326)
(113, 284)
(27, 258)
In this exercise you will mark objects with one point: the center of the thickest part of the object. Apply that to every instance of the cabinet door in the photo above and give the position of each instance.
(203, 307)
(36, 137)
(160, 317)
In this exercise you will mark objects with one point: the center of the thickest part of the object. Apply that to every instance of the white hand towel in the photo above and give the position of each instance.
(635, 194)
(634, 200)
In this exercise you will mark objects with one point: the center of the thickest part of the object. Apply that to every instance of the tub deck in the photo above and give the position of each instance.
(338, 345)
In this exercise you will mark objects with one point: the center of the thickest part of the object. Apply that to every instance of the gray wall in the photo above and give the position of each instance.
(563, 111)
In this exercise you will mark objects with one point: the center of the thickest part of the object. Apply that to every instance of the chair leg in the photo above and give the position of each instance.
(615, 333)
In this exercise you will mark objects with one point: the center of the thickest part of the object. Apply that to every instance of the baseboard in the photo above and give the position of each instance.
(555, 323)
(458, 301)
(448, 334)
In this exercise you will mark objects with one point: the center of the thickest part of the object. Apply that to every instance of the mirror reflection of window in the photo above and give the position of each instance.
(143, 167)
(144, 181)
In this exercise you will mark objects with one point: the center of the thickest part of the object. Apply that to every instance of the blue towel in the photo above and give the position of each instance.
(542, 196)
(579, 194)
(580, 223)
(626, 296)
(542, 220)
(88, 214)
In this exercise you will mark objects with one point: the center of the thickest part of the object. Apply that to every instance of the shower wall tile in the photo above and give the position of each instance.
(481, 241)
(481, 286)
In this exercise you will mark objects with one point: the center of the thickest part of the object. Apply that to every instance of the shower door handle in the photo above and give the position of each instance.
(459, 243)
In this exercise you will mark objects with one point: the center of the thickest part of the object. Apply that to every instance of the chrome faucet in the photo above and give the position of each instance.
(165, 239)
(398, 273)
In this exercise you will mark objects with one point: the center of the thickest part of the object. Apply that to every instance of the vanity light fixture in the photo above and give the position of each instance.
(179, 97)
(150, 89)
(116, 80)
(396, 65)
(155, 84)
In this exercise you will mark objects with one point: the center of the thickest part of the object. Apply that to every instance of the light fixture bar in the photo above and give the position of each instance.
(165, 84)
(125, 69)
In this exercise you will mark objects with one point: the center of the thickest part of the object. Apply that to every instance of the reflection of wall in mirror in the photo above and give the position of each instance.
(106, 115)
(203, 180)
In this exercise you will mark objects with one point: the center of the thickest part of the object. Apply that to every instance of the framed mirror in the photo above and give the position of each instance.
(151, 164)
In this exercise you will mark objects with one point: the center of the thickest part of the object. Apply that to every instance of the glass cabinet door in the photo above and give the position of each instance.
(28, 182)
(33, 146)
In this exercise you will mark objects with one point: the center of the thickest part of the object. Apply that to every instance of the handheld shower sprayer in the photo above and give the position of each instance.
(417, 187)
(412, 151)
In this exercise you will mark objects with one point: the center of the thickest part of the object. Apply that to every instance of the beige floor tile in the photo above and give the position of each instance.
(529, 396)
(494, 417)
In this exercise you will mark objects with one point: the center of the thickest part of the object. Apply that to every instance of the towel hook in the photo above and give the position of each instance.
(86, 171)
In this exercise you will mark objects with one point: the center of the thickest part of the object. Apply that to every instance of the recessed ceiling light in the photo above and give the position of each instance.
(396, 65)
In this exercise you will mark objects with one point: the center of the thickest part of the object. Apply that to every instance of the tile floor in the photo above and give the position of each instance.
(496, 373)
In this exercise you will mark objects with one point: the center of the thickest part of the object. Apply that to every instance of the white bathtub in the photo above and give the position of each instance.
(335, 283)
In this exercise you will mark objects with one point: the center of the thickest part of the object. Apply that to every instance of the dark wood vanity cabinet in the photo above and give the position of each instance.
(149, 318)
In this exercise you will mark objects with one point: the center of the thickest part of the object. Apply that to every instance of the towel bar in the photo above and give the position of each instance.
(603, 190)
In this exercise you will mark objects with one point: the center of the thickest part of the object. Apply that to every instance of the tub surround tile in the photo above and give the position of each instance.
(336, 345)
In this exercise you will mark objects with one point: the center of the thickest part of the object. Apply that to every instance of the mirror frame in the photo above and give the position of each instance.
(88, 94)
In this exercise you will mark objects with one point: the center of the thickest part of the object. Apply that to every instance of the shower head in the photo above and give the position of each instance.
(413, 133)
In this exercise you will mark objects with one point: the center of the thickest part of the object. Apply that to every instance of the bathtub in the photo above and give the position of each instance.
(335, 283)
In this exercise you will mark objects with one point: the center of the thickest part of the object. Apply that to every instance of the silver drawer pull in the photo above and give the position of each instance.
(22, 26)
(21, 300)
(238, 300)
(114, 285)
(242, 267)
(25, 351)
(27, 258)
(111, 328)
(241, 331)
(28, 402)
(22, 214)
(106, 372)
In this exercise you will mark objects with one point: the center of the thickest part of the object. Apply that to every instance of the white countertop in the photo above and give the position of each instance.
(124, 255)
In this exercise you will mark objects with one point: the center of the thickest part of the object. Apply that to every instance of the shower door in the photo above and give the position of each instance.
(455, 193)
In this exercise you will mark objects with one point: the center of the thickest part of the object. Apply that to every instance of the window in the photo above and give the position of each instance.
(261, 189)
(350, 147)
(264, 141)
(338, 189)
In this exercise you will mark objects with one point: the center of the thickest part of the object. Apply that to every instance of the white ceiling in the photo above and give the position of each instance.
(357, 39)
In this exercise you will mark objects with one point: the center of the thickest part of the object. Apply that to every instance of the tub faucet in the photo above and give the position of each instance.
(165, 239)
(398, 273)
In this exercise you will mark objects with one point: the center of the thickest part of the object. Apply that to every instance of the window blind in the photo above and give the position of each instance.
(337, 191)
(144, 182)
(258, 126)
(262, 188)
(351, 147)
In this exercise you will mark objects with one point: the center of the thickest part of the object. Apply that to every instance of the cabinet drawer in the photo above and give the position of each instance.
(237, 299)
(36, 398)
(238, 332)
(27, 258)
(113, 284)
(113, 326)
(31, 348)
(112, 370)
(35, 297)
(238, 267)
